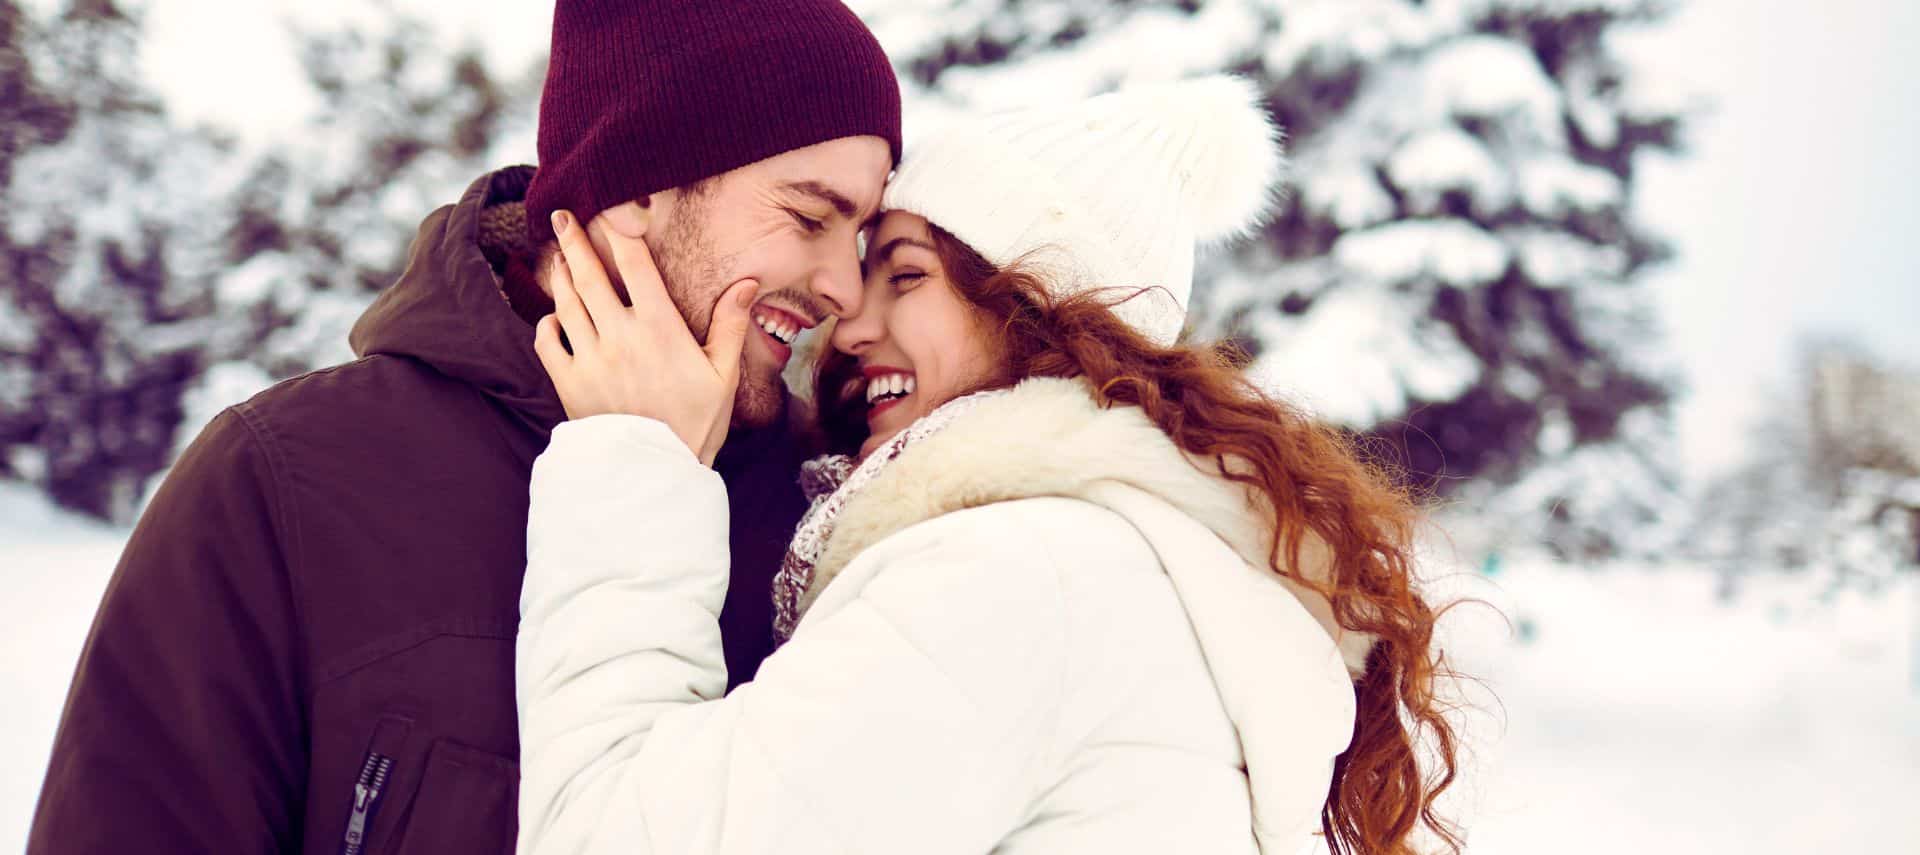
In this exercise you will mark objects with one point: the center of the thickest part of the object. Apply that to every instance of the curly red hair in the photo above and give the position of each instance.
(1313, 478)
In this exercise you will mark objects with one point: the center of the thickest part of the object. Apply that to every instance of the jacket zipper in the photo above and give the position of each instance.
(366, 794)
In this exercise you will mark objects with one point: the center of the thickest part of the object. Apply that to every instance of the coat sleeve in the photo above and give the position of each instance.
(183, 727)
(912, 719)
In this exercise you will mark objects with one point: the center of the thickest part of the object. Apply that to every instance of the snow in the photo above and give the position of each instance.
(1351, 360)
(1450, 250)
(15, 332)
(1566, 6)
(1496, 78)
(1152, 45)
(1334, 33)
(16, 389)
(1908, 493)
(1658, 78)
(253, 280)
(53, 567)
(1590, 105)
(1349, 194)
(318, 335)
(1632, 709)
(1447, 158)
(1556, 259)
(1557, 185)
(1648, 715)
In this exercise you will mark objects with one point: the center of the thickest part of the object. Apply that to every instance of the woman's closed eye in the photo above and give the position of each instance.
(904, 280)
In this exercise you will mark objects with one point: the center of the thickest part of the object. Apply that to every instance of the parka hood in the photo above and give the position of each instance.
(1049, 437)
(447, 309)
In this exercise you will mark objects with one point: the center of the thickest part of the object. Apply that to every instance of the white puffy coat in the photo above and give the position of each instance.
(1038, 631)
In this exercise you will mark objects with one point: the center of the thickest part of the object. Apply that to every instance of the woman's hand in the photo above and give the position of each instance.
(639, 360)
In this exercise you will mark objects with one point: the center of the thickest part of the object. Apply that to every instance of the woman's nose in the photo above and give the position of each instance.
(857, 333)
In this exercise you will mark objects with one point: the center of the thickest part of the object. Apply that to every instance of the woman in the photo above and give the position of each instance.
(1070, 587)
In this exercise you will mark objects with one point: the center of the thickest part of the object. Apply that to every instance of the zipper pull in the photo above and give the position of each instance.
(366, 792)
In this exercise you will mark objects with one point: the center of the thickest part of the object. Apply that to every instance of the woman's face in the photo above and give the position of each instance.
(918, 342)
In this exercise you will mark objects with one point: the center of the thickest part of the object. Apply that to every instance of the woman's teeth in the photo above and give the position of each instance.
(779, 329)
(889, 387)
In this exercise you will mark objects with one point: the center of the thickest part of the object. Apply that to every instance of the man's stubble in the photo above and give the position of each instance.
(694, 271)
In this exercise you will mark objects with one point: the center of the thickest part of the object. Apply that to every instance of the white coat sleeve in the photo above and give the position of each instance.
(915, 718)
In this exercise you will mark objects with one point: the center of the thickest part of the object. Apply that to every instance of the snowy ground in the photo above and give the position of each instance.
(1642, 715)
(53, 568)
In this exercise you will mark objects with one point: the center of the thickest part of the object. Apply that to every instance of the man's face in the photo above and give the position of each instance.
(791, 222)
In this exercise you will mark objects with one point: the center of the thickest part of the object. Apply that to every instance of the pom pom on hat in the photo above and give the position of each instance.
(1112, 192)
(1231, 164)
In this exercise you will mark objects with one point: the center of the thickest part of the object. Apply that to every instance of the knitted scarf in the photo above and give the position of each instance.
(829, 482)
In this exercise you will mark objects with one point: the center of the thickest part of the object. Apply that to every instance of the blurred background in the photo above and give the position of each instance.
(1631, 288)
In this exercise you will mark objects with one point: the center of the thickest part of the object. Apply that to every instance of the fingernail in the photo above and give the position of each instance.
(747, 293)
(560, 219)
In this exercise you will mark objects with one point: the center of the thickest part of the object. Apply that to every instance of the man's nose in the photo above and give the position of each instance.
(836, 282)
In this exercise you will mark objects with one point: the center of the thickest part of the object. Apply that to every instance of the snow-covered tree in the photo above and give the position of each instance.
(106, 303)
(154, 273)
(322, 223)
(1455, 269)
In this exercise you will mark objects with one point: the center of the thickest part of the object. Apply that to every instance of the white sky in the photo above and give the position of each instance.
(1798, 211)
(230, 63)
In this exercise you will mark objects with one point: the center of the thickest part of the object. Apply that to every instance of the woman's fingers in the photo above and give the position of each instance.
(571, 313)
(647, 290)
(548, 346)
(552, 350)
(586, 275)
(726, 338)
(727, 334)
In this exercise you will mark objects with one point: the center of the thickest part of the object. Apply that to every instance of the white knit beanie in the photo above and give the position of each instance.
(1112, 192)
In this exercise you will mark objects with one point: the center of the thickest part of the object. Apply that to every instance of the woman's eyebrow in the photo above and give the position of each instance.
(886, 249)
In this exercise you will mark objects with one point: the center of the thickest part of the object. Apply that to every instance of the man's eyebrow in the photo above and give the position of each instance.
(825, 194)
(886, 249)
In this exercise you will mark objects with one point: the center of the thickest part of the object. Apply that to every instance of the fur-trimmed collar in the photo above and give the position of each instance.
(1049, 437)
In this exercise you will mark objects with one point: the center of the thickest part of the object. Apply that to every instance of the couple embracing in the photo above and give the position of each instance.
(559, 562)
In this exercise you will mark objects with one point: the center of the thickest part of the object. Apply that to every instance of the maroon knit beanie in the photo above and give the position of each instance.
(646, 95)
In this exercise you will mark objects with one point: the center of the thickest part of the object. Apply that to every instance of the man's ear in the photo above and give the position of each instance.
(627, 219)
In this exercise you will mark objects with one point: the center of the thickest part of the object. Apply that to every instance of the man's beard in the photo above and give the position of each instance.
(693, 270)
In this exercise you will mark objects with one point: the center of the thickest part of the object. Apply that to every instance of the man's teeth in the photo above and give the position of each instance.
(781, 330)
(890, 386)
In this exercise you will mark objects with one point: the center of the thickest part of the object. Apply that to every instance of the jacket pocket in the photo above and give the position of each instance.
(467, 801)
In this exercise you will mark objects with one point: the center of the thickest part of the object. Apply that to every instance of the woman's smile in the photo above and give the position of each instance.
(887, 387)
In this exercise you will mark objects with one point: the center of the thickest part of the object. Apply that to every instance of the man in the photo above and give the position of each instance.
(309, 642)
